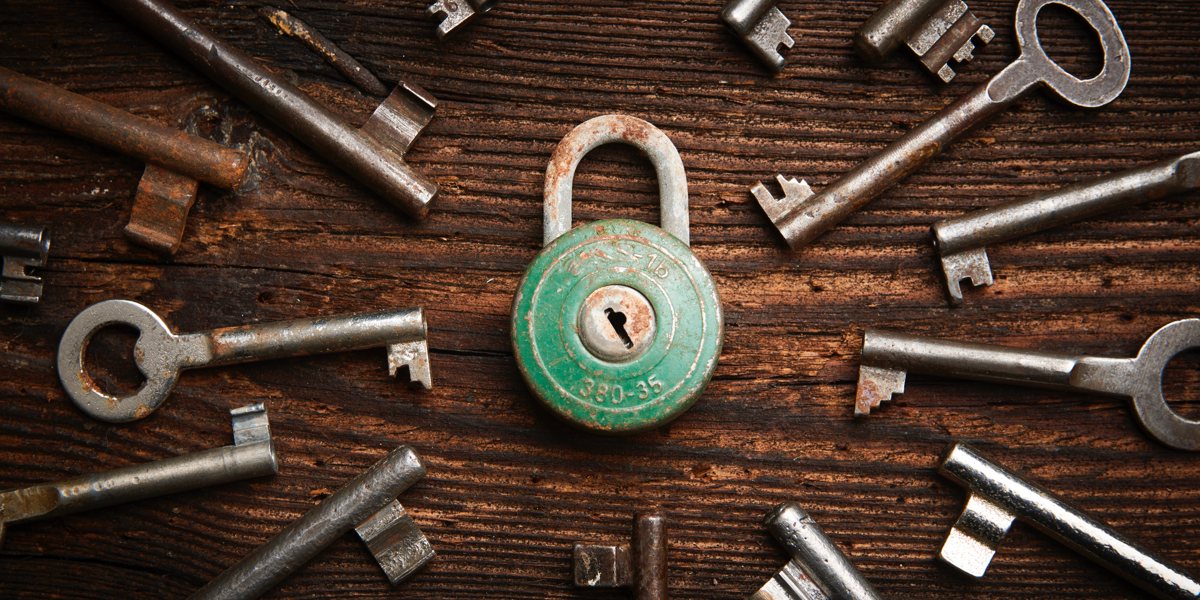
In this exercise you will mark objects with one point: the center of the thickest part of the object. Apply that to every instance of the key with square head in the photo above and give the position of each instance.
(801, 216)
(161, 354)
(962, 241)
(887, 356)
(996, 497)
(818, 569)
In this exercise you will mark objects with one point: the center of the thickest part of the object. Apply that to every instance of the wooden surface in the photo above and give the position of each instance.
(510, 489)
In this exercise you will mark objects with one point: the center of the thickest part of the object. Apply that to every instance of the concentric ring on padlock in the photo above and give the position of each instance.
(648, 390)
(1149, 404)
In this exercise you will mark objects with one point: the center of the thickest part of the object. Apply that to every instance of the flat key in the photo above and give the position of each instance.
(801, 216)
(161, 354)
(962, 241)
(888, 356)
(997, 497)
(22, 249)
(818, 569)
(251, 455)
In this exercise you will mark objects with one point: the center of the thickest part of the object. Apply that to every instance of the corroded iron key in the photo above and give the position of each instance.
(161, 354)
(801, 216)
(887, 357)
(818, 569)
(962, 241)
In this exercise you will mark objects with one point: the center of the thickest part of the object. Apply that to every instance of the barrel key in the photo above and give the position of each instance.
(818, 569)
(22, 248)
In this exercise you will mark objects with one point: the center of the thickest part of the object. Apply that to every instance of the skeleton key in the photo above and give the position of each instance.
(818, 569)
(22, 248)
(997, 497)
(937, 31)
(962, 241)
(887, 356)
(801, 216)
(161, 354)
(762, 27)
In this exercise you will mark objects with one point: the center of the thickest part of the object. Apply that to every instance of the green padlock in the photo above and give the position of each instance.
(617, 326)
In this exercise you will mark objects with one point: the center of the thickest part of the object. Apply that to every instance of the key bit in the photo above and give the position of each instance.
(996, 497)
(762, 27)
(366, 504)
(22, 249)
(937, 31)
(642, 565)
(818, 569)
(251, 455)
(457, 13)
(794, 192)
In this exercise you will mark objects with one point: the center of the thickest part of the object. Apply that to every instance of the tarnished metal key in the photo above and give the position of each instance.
(818, 569)
(641, 565)
(801, 216)
(996, 497)
(366, 504)
(762, 27)
(937, 31)
(22, 248)
(457, 13)
(161, 354)
(962, 241)
(176, 161)
(887, 357)
(251, 455)
(373, 155)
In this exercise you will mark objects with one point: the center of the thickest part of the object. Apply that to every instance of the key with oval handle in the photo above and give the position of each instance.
(887, 357)
(962, 241)
(801, 216)
(161, 354)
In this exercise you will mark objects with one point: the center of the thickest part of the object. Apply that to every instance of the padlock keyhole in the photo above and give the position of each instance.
(617, 319)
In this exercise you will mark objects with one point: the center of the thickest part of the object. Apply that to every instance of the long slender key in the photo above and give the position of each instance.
(801, 216)
(251, 455)
(818, 569)
(762, 27)
(22, 248)
(457, 13)
(366, 504)
(962, 241)
(887, 357)
(996, 497)
(161, 354)
(937, 31)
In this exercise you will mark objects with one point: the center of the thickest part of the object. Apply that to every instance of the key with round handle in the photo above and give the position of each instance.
(888, 356)
(161, 354)
(801, 216)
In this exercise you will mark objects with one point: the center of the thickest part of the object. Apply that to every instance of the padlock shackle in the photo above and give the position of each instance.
(560, 173)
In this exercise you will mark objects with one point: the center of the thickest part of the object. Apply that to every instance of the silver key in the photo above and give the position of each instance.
(887, 357)
(457, 13)
(801, 216)
(251, 455)
(762, 27)
(996, 497)
(818, 569)
(937, 31)
(161, 354)
(22, 248)
(962, 241)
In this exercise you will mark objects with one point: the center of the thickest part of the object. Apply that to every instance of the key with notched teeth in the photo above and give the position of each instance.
(887, 357)
(366, 504)
(22, 249)
(161, 354)
(457, 13)
(762, 27)
(818, 569)
(176, 161)
(962, 241)
(937, 31)
(641, 565)
(251, 455)
(801, 216)
(996, 497)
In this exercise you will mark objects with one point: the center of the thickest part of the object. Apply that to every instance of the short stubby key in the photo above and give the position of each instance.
(251, 455)
(818, 569)
(762, 27)
(22, 249)
(457, 13)
(161, 354)
(937, 32)
(996, 497)
(962, 241)
(887, 356)
(801, 216)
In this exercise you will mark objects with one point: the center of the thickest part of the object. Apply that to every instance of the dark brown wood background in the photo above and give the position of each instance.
(509, 488)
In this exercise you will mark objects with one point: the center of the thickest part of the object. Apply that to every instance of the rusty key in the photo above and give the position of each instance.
(374, 155)
(641, 565)
(177, 161)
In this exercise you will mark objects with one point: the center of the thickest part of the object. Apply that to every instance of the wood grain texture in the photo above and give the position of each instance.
(509, 488)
